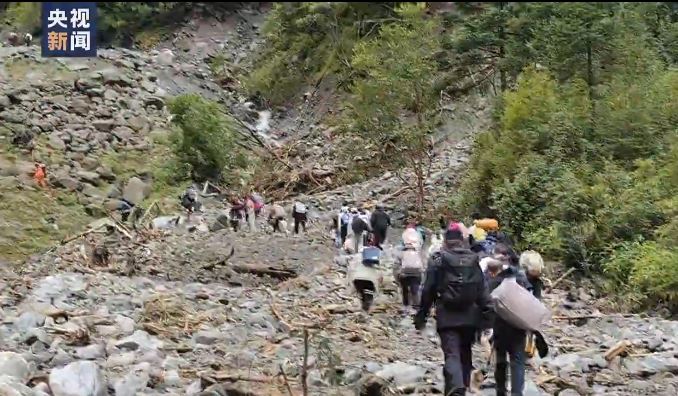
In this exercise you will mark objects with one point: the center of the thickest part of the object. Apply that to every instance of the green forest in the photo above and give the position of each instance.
(581, 162)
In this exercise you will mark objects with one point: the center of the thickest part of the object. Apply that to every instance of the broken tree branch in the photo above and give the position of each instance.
(287, 383)
(617, 349)
(304, 368)
(565, 275)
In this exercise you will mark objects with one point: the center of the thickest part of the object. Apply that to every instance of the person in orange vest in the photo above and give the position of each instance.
(40, 174)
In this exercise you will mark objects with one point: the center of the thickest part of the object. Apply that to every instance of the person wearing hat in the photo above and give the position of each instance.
(456, 286)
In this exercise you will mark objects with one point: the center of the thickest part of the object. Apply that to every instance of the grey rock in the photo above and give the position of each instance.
(104, 125)
(115, 77)
(110, 94)
(4, 101)
(402, 373)
(56, 142)
(12, 386)
(89, 177)
(90, 352)
(569, 392)
(68, 183)
(13, 365)
(351, 376)
(207, 337)
(134, 382)
(120, 360)
(89, 163)
(154, 101)
(123, 133)
(31, 336)
(125, 324)
(90, 191)
(81, 378)
(372, 367)
(650, 365)
(136, 191)
(139, 124)
(80, 106)
(140, 340)
(30, 320)
(172, 378)
(569, 362)
(13, 116)
(61, 358)
(105, 172)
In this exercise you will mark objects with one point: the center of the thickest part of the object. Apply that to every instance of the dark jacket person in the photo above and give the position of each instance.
(456, 285)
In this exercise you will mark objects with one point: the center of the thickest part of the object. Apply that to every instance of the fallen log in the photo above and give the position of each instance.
(262, 270)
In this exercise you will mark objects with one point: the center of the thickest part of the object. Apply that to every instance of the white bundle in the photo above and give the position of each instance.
(532, 262)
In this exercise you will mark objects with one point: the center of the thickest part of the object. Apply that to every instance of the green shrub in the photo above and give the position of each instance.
(205, 139)
(25, 17)
(648, 269)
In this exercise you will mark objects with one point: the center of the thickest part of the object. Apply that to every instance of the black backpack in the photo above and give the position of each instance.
(461, 279)
(358, 225)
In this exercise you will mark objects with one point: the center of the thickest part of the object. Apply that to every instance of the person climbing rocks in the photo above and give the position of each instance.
(28, 39)
(40, 174)
(125, 208)
(189, 200)
(276, 218)
(379, 221)
(456, 286)
(409, 266)
(507, 339)
(299, 215)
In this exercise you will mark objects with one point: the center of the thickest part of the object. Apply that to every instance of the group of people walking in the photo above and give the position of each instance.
(456, 276)
(358, 227)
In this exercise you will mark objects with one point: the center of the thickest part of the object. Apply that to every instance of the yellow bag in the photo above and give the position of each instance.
(487, 224)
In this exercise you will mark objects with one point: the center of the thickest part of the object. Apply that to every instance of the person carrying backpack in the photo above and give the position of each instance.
(507, 339)
(359, 228)
(343, 221)
(299, 216)
(456, 285)
(409, 266)
(366, 277)
(380, 221)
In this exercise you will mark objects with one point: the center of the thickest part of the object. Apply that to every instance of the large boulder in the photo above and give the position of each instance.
(4, 101)
(104, 125)
(136, 190)
(82, 378)
(89, 177)
(135, 381)
(10, 386)
(67, 182)
(13, 365)
(123, 133)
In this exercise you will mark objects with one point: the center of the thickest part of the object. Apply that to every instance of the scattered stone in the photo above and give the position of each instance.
(82, 378)
(134, 382)
(13, 365)
(89, 177)
(402, 374)
(140, 340)
(91, 352)
(104, 125)
(29, 320)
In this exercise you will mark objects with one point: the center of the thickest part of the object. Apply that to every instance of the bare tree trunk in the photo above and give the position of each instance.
(502, 52)
(304, 369)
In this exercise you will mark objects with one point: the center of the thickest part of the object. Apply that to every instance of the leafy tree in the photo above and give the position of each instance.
(206, 139)
(394, 102)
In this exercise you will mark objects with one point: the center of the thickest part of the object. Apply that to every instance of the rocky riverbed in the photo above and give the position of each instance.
(189, 317)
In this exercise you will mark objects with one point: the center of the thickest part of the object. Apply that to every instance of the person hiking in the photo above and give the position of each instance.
(299, 216)
(455, 284)
(189, 200)
(40, 175)
(507, 339)
(250, 214)
(28, 39)
(533, 264)
(379, 221)
(276, 218)
(125, 208)
(237, 213)
(359, 227)
(343, 222)
(409, 267)
(366, 277)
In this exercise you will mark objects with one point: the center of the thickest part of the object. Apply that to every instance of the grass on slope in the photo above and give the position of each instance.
(35, 220)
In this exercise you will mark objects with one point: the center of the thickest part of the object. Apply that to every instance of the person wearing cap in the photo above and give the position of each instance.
(460, 313)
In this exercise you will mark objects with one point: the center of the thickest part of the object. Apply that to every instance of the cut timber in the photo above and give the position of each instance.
(618, 349)
(264, 270)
